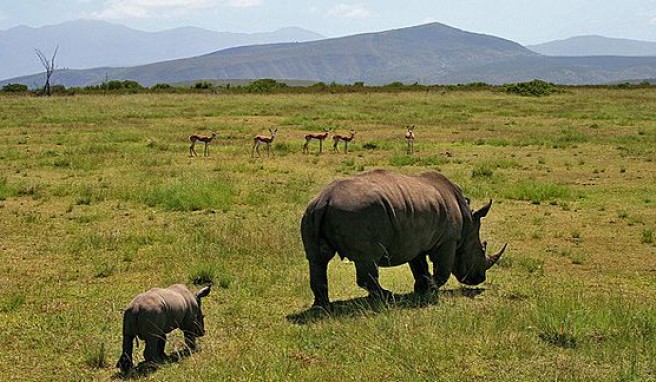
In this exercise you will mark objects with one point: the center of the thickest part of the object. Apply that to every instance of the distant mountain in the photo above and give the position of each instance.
(595, 46)
(89, 44)
(427, 54)
(417, 54)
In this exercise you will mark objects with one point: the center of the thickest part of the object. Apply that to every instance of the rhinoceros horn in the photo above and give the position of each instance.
(491, 260)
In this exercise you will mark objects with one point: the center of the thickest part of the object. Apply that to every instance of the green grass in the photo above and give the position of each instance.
(12, 302)
(537, 191)
(97, 358)
(190, 195)
(100, 201)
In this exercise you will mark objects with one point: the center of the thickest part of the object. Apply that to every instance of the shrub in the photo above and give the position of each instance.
(129, 84)
(319, 85)
(265, 85)
(111, 85)
(59, 89)
(161, 87)
(14, 88)
(534, 88)
(202, 85)
(116, 85)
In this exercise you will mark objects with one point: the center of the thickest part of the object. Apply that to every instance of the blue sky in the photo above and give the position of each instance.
(523, 21)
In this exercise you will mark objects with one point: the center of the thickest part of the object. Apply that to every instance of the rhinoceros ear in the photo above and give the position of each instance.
(203, 292)
(483, 211)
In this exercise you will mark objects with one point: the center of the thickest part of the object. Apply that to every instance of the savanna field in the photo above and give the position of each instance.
(100, 200)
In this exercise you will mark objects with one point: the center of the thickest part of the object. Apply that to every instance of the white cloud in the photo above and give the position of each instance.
(355, 11)
(141, 9)
(245, 3)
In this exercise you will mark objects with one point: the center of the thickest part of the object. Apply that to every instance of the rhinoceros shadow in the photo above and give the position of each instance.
(144, 369)
(363, 306)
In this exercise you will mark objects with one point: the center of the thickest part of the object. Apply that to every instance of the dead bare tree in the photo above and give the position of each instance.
(49, 65)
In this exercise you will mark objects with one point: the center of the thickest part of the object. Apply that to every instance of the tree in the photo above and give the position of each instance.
(49, 65)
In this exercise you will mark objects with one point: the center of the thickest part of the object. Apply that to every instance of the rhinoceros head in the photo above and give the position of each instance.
(471, 261)
(199, 321)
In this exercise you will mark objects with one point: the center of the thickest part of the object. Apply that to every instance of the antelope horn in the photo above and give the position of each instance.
(491, 260)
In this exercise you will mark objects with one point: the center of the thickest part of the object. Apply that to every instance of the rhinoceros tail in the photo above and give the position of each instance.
(311, 227)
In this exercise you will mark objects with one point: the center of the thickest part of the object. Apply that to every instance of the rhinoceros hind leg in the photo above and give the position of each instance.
(125, 361)
(154, 351)
(423, 280)
(319, 280)
(367, 278)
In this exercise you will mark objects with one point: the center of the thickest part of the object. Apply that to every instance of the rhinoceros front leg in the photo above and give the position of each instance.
(154, 351)
(367, 278)
(442, 258)
(423, 280)
(161, 345)
(190, 341)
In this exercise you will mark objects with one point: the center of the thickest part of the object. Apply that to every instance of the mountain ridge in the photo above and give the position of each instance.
(595, 45)
(85, 44)
(431, 53)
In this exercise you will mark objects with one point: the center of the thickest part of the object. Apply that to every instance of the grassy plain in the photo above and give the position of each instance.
(99, 201)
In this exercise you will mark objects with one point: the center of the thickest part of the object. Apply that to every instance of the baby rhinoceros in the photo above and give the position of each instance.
(153, 314)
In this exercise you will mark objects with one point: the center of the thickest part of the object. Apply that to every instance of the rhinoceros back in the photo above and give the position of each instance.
(387, 217)
(160, 310)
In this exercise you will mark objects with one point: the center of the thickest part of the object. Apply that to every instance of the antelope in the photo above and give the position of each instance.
(338, 137)
(318, 136)
(262, 140)
(410, 138)
(203, 138)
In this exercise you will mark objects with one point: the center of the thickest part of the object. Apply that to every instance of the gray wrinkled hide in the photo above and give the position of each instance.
(381, 218)
(153, 314)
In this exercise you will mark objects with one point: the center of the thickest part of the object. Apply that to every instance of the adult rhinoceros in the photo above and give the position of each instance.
(380, 218)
